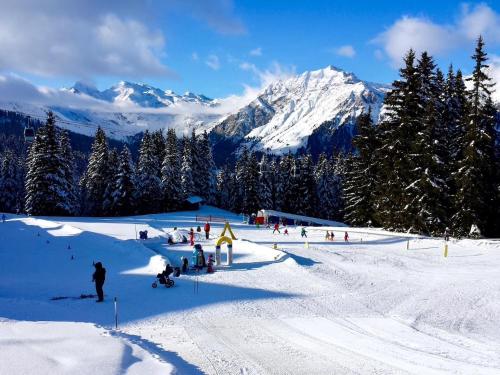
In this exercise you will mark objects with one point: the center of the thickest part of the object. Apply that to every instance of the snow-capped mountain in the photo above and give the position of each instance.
(287, 112)
(314, 110)
(140, 94)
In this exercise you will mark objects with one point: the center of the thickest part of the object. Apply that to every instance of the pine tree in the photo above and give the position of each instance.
(197, 165)
(45, 189)
(148, 183)
(288, 183)
(9, 182)
(265, 184)
(171, 173)
(250, 184)
(206, 183)
(223, 186)
(427, 190)
(108, 201)
(124, 191)
(68, 164)
(361, 175)
(97, 176)
(394, 157)
(306, 203)
(187, 183)
(475, 175)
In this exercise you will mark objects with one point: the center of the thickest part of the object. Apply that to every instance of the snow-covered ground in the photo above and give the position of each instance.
(366, 306)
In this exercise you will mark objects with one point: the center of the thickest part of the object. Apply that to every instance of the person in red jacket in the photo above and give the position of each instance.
(276, 228)
(207, 230)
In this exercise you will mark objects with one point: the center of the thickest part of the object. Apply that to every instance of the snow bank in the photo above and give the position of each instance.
(72, 348)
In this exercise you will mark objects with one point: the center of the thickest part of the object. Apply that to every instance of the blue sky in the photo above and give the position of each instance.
(218, 47)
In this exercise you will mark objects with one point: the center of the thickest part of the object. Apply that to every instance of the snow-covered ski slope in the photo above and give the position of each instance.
(362, 307)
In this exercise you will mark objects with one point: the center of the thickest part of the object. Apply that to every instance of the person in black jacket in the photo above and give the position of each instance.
(98, 277)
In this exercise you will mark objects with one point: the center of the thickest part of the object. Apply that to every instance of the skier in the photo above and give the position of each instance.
(346, 237)
(98, 277)
(198, 229)
(286, 232)
(303, 233)
(207, 230)
(3, 218)
(327, 235)
(276, 228)
(191, 237)
(332, 236)
(447, 234)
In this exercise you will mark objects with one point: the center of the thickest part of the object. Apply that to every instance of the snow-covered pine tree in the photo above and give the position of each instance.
(148, 183)
(108, 202)
(265, 184)
(70, 182)
(223, 195)
(275, 183)
(197, 165)
(339, 167)
(323, 174)
(97, 176)
(306, 203)
(158, 144)
(474, 178)
(206, 183)
(171, 173)
(238, 190)
(427, 191)
(9, 182)
(45, 189)
(187, 183)
(397, 133)
(250, 184)
(361, 173)
(124, 192)
(288, 183)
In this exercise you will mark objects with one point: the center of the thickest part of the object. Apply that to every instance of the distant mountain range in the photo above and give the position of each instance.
(313, 111)
(140, 94)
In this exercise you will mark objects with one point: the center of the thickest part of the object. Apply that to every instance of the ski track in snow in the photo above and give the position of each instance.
(369, 306)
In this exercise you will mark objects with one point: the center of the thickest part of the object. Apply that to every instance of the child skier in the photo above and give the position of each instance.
(303, 232)
(276, 228)
(327, 235)
(332, 236)
(286, 232)
(346, 237)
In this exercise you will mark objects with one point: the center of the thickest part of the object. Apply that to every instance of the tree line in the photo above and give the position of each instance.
(433, 160)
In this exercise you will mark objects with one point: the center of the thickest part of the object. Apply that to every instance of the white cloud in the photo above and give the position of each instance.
(194, 56)
(495, 74)
(346, 51)
(422, 34)
(67, 38)
(256, 52)
(213, 62)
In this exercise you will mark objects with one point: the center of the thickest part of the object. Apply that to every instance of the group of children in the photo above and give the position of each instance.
(330, 236)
